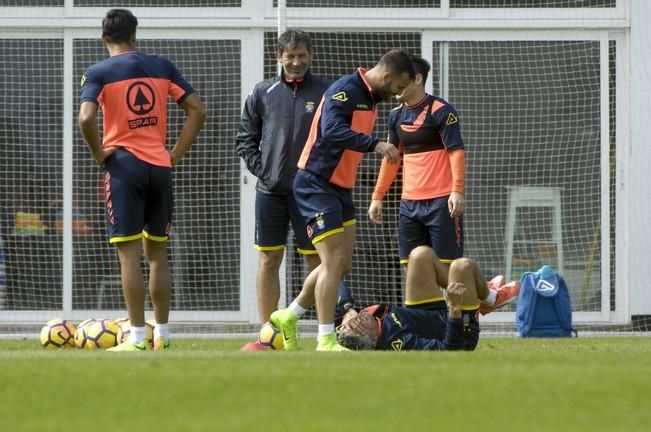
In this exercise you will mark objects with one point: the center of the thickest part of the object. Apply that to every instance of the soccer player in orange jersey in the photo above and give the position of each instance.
(340, 135)
(427, 132)
(132, 88)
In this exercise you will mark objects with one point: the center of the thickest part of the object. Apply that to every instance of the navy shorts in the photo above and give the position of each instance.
(326, 208)
(428, 223)
(273, 213)
(429, 322)
(138, 198)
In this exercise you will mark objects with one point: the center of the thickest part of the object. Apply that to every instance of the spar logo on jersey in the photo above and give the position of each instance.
(141, 98)
(143, 122)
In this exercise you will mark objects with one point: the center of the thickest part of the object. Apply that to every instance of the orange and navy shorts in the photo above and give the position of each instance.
(325, 207)
(138, 198)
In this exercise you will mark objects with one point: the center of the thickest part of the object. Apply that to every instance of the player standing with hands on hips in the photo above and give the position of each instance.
(131, 88)
(340, 135)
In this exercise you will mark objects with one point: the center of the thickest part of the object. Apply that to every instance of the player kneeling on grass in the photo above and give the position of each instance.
(426, 322)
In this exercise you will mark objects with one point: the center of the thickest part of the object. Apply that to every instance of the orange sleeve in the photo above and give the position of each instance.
(458, 166)
(387, 174)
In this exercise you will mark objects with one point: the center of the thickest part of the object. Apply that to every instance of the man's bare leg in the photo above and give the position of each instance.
(425, 274)
(160, 285)
(268, 282)
(466, 271)
(160, 290)
(133, 283)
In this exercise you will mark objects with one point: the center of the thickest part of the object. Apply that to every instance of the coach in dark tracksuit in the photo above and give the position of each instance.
(273, 130)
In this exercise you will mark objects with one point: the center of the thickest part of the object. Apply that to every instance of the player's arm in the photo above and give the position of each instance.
(335, 123)
(88, 127)
(387, 174)
(195, 118)
(448, 126)
(91, 88)
(335, 127)
(184, 95)
(249, 135)
(457, 201)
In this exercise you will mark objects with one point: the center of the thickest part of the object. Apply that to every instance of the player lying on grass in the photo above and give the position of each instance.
(424, 320)
(425, 323)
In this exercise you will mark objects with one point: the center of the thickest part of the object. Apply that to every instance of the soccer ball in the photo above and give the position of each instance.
(86, 322)
(125, 329)
(80, 333)
(58, 333)
(270, 336)
(101, 334)
(122, 321)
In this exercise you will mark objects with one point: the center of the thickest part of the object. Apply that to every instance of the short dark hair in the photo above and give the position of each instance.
(421, 66)
(355, 342)
(398, 62)
(118, 25)
(292, 38)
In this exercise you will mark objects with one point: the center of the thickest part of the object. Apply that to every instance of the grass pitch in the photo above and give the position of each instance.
(208, 385)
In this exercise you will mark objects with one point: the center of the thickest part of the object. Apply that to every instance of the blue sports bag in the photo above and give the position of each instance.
(544, 307)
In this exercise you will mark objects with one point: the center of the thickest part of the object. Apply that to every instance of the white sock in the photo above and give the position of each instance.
(326, 329)
(490, 298)
(137, 335)
(162, 330)
(297, 309)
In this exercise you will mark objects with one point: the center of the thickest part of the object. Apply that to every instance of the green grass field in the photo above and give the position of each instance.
(584, 384)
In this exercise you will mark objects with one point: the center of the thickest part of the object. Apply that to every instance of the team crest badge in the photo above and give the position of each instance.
(320, 222)
(309, 107)
(340, 96)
